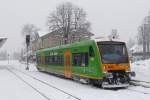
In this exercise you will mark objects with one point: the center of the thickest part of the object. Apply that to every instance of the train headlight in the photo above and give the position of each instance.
(109, 75)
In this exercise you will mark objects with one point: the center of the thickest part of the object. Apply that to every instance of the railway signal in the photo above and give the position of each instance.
(27, 43)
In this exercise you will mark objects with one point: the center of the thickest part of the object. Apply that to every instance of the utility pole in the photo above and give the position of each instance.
(27, 43)
(8, 58)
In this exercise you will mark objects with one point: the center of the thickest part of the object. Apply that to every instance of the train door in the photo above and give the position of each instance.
(67, 67)
(42, 58)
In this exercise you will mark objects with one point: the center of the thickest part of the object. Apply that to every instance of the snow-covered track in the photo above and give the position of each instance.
(144, 84)
(42, 94)
(138, 91)
(43, 82)
(141, 81)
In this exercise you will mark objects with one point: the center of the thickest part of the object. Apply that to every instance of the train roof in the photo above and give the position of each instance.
(110, 42)
(87, 42)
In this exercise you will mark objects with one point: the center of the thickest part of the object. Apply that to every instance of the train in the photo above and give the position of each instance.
(103, 63)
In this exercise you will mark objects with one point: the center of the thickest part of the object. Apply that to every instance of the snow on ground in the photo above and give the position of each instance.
(12, 88)
(142, 70)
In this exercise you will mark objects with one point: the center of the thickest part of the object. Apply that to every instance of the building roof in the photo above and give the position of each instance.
(42, 33)
(2, 41)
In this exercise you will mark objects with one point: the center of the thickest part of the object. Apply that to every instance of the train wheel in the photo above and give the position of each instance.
(97, 83)
(39, 69)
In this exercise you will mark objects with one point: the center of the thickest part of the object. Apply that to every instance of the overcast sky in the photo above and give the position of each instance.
(104, 15)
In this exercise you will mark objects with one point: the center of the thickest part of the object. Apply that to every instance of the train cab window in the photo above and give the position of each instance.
(91, 52)
(80, 59)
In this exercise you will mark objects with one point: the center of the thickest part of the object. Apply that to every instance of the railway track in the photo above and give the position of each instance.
(138, 91)
(41, 81)
(13, 71)
(143, 84)
(43, 95)
(141, 81)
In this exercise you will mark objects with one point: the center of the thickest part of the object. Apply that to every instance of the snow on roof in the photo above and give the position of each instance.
(42, 33)
(2, 41)
(105, 38)
(141, 69)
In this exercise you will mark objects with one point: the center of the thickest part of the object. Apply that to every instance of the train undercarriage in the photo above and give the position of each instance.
(114, 79)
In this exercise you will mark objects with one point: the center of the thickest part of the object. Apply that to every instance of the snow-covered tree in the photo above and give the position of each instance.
(30, 29)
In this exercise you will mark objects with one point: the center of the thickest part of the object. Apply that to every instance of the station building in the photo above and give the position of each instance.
(54, 38)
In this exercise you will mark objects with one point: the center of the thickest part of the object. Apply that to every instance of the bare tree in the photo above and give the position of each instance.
(144, 34)
(30, 29)
(130, 43)
(140, 35)
(147, 32)
(70, 22)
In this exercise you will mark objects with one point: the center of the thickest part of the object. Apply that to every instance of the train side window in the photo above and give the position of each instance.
(80, 59)
(84, 61)
(62, 60)
(91, 52)
(38, 59)
(46, 59)
(58, 60)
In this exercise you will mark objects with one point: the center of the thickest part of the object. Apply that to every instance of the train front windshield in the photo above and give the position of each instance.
(113, 53)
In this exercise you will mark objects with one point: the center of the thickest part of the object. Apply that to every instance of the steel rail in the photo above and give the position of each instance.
(139, 91)
(47, 84)
(42, 94)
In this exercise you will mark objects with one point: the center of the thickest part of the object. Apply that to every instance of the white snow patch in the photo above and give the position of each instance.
(142, 70)
(12, 88)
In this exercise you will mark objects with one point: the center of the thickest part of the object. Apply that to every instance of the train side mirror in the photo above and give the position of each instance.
(133, 74)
